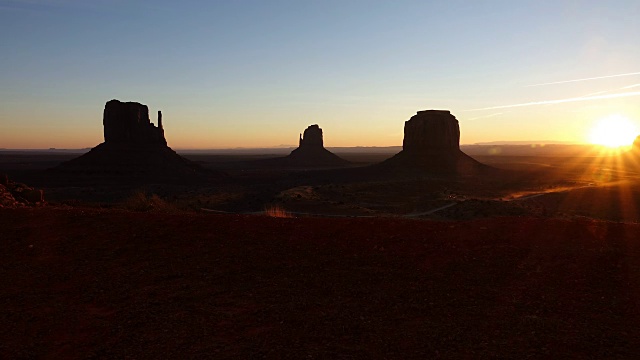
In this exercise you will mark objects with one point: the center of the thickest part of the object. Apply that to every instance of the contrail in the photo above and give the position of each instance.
(585, 79)
(599, 92)
(487, 116)
(612, 90)
(599, 97)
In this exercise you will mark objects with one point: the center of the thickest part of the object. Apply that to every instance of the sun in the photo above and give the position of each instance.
(613, 131)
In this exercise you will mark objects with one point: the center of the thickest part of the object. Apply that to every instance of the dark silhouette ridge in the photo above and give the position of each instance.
(432, 144)
(133, 147)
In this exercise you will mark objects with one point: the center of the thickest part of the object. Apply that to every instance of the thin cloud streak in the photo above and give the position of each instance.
(546, 102)
(609, 91)
(486, 116)
(585, 79)
(599, 92)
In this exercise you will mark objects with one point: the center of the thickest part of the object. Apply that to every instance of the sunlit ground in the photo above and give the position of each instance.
(603, 182)
(613, 173)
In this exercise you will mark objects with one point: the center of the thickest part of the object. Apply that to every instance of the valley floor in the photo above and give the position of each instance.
(105, 283)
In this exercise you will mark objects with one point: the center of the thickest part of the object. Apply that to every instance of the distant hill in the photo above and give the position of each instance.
(532, 149)
(528, 142)
(495, 148)
(499, 148)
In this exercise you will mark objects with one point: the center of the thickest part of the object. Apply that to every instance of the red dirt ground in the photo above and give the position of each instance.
(87, 283)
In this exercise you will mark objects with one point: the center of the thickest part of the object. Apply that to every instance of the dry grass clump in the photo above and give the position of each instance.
(141, 201)
(276, 211)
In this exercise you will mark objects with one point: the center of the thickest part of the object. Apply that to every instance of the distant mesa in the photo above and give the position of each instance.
(431, 132)
(432, 143)
(310, 153)
(133, 146)
(311, 150)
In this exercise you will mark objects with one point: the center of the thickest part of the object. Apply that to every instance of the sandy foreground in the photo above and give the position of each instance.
(91, 283)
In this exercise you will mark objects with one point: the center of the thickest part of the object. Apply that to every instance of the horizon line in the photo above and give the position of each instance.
(490, 142)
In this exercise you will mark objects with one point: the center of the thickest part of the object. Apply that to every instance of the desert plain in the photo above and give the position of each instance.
(537, 258)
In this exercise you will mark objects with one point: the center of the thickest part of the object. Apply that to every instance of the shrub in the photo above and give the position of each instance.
(276, 211)
(141, 201)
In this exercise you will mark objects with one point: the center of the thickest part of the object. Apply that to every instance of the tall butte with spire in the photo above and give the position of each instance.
(432, 144)
(133, 146)
(129, 123)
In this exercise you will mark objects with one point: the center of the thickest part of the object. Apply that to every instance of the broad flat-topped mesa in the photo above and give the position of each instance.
(129, 123)
(431, 132)
(432, 144)
(312, 137)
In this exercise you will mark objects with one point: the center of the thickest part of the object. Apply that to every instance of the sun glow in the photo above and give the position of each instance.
(613, 131)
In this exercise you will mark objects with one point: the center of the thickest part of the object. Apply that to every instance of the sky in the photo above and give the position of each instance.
(256, 73)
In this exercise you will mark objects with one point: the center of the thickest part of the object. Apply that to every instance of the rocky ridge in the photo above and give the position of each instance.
(14, 194)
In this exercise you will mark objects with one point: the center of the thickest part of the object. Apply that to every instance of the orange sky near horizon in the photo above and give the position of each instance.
(256, 74)
(575, 125)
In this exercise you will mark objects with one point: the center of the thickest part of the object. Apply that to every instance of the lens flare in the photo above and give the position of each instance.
(613, 131)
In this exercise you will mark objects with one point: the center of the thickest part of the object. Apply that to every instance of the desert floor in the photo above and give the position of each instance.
(539, 258)
(107, 283)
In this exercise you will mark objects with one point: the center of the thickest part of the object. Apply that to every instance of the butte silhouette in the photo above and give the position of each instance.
(432, 145)
(311, 150)
(133, 147)
(310, 153)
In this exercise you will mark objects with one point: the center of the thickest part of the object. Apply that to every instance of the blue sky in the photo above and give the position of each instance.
(256, 73)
